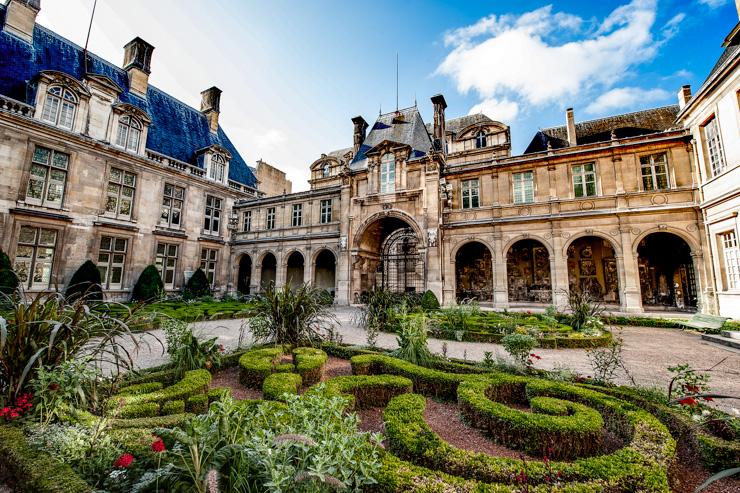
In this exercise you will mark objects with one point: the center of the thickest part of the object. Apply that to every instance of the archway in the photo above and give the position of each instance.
(528, 272)
(474, 272)
(667, 278)
(295, 269)
(592, 267)
(388, 256)
(268, 273)
(325, 271)
(244, 279)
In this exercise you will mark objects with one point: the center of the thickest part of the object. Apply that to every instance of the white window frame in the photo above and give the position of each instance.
(715, 151)
(470, 193)
(388, 173)
(41, 255)
(55, 166)
(583, 177)
(166, 262)
(129, 132)
(121, 189)
(730, 259)
(209, 264)
(111, 259)
(217, 167)
(60, 107)
(523, 194)
(326, 211)
(270, 218)
(297, 216)
(649, 171)
(172, 204)
(212, 215)
(247, 222)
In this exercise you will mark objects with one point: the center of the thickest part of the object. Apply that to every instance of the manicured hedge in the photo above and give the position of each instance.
(309, 363)
(257, 364)
(194, 382)
(138, 410)
(169, 421)
(140, 388)
(217, 393)
(278, 384)
(365, 391)
(174, 407)
(165, 376)
(27, 470)
(197, 404)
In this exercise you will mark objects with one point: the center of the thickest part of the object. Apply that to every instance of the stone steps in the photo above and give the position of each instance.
(733, 341)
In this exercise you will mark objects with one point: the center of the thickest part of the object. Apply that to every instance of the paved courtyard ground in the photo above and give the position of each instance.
(648, 352)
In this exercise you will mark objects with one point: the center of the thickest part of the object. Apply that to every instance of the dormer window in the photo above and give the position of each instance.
(480, 140)
(129, 133)
(325, 170)
(60, 106)
(387, 173)
(217, 169)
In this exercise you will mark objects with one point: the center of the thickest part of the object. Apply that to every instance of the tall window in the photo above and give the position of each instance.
(270, 223)
(111, 261)
(584, 180)
(714, 147)
(480, 140)
(47, 178)
(523, 187)
(121, 188)
(129, 133)
(247, 223)
(171, 215)
(325, 211)
(387, 173)
(217, 168)
(166, 263)
(208, 261)
(297, 215)
(325, 170)
(730, 259)
(655, 172)
(60, 106)
(212, 221)
(470, 194)
(34, 256)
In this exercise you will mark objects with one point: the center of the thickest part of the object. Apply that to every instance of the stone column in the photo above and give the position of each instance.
(559, 272)
(500, 286)
(282, 267)
(629, 277)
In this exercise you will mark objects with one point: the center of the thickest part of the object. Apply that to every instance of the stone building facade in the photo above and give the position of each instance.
(270, 180)
(97, 164)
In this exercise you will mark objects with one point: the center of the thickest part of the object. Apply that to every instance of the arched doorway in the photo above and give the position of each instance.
(474, 272)
(244, 279)
(268, 274)
(528, 272)
(667, 278)
(592, 267)
(295, 269)
(324, 276)
(388, 256)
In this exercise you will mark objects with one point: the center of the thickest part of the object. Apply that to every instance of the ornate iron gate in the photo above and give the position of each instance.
(401, 267)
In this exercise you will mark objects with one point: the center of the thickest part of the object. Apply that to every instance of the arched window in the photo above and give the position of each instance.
(480, 140)
(325, 170)
(129, 133)
(388, 173)
(60, 106)
(217, 169)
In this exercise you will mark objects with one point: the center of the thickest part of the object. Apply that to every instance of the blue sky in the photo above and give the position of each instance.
(294, 73)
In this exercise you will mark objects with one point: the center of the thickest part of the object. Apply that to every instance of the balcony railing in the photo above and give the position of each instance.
(14, 106)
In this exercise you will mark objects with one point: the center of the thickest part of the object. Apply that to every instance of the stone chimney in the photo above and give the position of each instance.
(439, 133)
(137, 62)
(684, 94)
(570, 123)
(210, 105)
(359, 132)
(20, 18)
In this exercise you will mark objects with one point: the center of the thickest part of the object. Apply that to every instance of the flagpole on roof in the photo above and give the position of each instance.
(396, 82)
(87, 40)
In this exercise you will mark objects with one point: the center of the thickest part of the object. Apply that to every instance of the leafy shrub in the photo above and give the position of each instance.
(188, 351)
(141, 388)
(583, 307)
(197, 404)
(258, 364)
(278, 384)
(607, 361)
(142, 410)
(429, 301)
(364, 391)
(194, 382)
(8, 278)
(378, 313)
(289, 316)
(412, 342)
(309, 363)
(519, 346)
(85, 283)
(149, 286)
(57, 388)
(197, 286)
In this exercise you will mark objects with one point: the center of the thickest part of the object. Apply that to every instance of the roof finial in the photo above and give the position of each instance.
(380, 109)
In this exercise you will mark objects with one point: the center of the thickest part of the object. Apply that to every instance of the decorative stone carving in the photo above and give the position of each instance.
(662, 227)
(692, 227)
(343, 243)
(635, 231)
(614, 232)
(525, 211)
(432, 237)
(658, 199)
(587, 205)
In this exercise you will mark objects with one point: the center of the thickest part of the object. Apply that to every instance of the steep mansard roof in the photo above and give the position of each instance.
(627, 125)
(404, 127)
(177, 130)
(457, 124)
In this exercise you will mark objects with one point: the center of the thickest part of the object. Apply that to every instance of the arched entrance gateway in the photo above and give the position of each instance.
(474, 272)
(592, 267)
(268, 273)
(528, 272)
(295, 270)
(325, 271)
(244, 279)
(667, 278)
(389, 255)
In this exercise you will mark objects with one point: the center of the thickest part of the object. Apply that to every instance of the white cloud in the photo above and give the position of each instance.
(270, 139)
(500, 110)
(626, 98)
(713, 4)
(524, 59)
(671, 27)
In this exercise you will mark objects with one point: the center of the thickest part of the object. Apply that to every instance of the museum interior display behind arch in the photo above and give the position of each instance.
(474, 272)
(528, 272)
(666, 270)
(592, 267)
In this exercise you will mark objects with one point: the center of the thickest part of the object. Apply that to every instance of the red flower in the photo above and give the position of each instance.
(692, 388)
(221, 348)
(158, 445)
(687, 401)
(708, 399)
(53, 386)
(124, 461)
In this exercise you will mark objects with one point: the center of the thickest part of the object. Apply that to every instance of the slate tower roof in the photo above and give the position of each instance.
(177, 130)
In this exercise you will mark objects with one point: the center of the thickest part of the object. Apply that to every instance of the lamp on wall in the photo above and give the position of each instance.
(233, 220)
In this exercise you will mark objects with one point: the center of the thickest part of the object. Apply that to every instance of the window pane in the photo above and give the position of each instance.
(61, 160)
(129, 179)
(41, 155)
(106, 242)
(120, 245)
(48, 237)
(27, 235)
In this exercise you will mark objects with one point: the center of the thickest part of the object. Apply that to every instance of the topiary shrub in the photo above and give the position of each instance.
(8, 279)
(149, 286)
(429, 301)
(85, 283)
(197, 286)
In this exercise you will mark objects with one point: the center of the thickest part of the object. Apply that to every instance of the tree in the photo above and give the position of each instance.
(8, 279)
(85, 283)
(429, 301)
(149, 286)
(197, 286)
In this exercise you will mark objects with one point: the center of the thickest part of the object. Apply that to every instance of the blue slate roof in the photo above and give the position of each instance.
(177, 130)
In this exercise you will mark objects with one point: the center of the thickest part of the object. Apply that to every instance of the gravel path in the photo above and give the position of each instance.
(648, 352)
